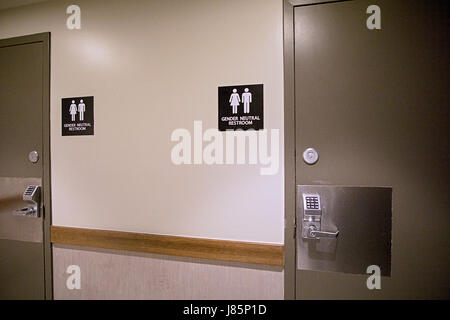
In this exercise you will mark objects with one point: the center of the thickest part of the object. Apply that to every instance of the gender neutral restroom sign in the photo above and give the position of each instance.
(77, 116)
(241, 107)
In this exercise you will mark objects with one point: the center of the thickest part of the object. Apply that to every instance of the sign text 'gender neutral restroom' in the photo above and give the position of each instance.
(241, 107)
(77, 116)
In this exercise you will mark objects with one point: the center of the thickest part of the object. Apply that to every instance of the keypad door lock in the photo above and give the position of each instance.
(312, 219)
(32, 196)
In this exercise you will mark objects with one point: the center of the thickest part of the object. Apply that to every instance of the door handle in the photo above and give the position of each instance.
(318, 234)
(32, 196)
(25, 212)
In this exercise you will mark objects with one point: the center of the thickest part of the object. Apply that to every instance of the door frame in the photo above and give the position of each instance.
(43, 38)
(290, 202)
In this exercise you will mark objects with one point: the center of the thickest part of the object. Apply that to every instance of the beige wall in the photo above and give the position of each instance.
(111, 274)
(154, 66)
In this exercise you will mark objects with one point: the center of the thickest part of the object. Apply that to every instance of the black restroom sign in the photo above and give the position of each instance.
(77, 116)
(241, 107)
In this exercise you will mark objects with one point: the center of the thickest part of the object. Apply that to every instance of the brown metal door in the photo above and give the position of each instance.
(21, 132)
(374, 104)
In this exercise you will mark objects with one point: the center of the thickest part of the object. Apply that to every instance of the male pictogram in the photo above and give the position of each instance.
(81, 109)
(246, 99)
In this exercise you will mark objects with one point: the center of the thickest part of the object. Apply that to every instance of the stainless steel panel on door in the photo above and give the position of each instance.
(374, 104)
(356, 222)
(17, 227)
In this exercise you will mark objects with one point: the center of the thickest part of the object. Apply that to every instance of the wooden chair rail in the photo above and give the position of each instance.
(237, 251)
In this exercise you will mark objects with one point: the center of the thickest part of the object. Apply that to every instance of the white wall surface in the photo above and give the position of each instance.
(154, 66)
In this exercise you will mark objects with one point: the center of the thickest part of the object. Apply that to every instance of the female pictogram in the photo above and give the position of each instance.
(234, 100)
(73, 110)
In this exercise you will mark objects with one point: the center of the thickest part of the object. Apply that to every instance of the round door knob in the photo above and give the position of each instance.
(33, 156)
(310, 156)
